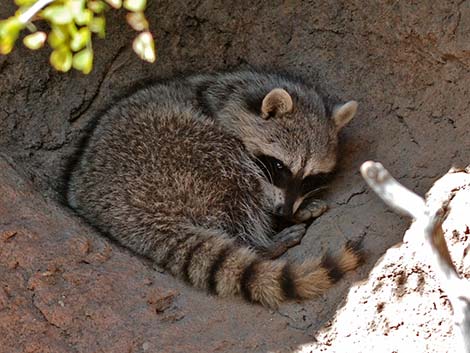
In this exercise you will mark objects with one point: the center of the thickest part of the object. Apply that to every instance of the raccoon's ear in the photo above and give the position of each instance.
(276, 103)
(343, 113)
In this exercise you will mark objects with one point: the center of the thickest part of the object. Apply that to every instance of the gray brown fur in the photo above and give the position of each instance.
(170, 172)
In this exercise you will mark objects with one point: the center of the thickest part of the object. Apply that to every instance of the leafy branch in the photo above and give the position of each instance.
(72, 24)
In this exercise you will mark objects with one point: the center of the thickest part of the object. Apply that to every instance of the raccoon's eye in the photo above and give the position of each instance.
(274, 169)
(271, 163)
(279, 165)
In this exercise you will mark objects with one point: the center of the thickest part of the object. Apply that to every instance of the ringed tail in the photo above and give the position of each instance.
(222, 267)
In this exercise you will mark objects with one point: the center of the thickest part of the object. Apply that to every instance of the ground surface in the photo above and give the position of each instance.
(407, 63)
(401, 307)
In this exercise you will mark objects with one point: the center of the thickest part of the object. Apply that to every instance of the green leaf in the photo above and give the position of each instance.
(81, 15)
(9, 31)
(35, 41)
(57, 14)
(144, 47)
(83, 61)
(115, 3)
(80, 39)
(97, 6)
(24, 2)
(6, 46)
(76, 6)
(10, 27)
(84, 17)
(135, 5)
(61, 59)
(137, 21)
(58, 36)
(72, 29)
(98, 25)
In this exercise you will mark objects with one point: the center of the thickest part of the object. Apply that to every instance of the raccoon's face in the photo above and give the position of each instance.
(285, 189)
(295, 144)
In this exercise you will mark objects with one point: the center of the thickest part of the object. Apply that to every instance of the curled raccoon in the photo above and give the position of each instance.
(195, 173)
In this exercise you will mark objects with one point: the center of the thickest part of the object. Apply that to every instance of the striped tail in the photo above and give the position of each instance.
(224, 268)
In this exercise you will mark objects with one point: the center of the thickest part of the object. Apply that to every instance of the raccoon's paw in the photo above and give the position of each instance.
(309, 210)
(286, 239)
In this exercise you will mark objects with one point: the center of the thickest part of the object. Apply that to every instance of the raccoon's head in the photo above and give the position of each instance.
(294, 141)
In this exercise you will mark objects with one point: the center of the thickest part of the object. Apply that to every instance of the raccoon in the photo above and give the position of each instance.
(194, 173)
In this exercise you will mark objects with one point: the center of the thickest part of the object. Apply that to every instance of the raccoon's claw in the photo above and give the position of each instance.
(286, 239)
(312, 209)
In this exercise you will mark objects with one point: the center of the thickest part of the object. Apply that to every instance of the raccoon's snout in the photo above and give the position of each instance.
(283, 210)
(288, 208)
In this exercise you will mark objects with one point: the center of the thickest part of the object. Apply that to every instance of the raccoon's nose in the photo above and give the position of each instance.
(284, 211)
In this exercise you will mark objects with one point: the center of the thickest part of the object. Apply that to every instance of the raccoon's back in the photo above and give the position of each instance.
(163, 163)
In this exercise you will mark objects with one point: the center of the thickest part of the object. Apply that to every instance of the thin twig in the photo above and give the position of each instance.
(391, 191)
(33, 10)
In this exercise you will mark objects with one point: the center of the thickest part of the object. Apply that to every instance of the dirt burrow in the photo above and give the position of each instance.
(406, 63)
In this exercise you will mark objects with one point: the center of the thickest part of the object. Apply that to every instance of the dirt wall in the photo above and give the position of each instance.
(407, 63)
